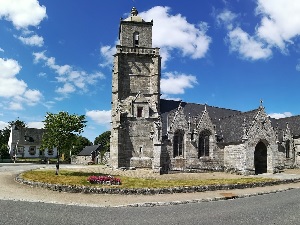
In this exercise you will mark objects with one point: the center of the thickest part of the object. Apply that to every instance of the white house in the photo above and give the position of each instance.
(25, 143)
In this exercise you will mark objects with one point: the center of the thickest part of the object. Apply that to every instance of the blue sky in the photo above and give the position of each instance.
(57, 55)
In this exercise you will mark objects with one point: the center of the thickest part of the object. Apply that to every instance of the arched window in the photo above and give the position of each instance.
(287, 149)
(136, 39)
(203, 147)
(178, 143)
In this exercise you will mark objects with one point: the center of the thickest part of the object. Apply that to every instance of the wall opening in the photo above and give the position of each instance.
(139, 111)
(260, 158)
(136, 37)
(203, 146)
(287, 149)
(178, 143)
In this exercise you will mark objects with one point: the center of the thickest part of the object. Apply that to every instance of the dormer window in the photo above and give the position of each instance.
(136, 39)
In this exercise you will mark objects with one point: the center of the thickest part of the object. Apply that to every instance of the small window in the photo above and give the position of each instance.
(20, 149)
(139, 111)
(32, 150)
(50, 151)
(136, 39)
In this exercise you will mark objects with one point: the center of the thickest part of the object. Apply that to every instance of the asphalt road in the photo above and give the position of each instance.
(278, 208)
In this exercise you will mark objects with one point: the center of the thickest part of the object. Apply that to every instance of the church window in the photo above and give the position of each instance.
(139, 111)
(136, 39)
(287, 149)
(203, 147)
(178, 143)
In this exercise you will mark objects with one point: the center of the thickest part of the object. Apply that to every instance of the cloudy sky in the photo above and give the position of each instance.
(57, 55)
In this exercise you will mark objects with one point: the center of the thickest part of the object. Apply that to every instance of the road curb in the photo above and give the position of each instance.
(154, 204)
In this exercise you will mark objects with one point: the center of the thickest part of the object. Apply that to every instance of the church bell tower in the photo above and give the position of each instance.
(135, 132)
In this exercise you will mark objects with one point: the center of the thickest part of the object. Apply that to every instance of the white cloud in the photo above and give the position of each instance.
(226, 17)
(107, 53)
(15, 106)
(248, 47)
(38, 125)
(187, 38)
(32, 97)
(280, 115)
(280, 22)
(72, 79)
(10, 86)
(66, 89)
(101, 117)
(175, 83)
(34, 40)
(298, 66)
(22, 13)
(190, 39)
(3, 125)
(279, 27)
(1, 50)
(13, 90)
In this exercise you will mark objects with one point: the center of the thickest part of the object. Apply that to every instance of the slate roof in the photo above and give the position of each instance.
(293, 123)
(87, 151)
(28, 136)
(231, 128)
(229, 123)
(192, 110)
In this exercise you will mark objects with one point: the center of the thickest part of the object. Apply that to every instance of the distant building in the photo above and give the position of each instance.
(89, 155)
(169, 135)
(25, 143)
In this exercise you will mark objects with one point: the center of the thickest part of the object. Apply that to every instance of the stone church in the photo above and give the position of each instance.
(167, 135)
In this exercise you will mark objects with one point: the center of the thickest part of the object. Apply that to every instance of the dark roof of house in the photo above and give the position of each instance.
(293, 123)
(229, 123)
(230, 129)
(88, 150)
(29, 135)
(192, 110)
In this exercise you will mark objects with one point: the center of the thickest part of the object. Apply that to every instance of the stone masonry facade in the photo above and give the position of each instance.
(166, 135)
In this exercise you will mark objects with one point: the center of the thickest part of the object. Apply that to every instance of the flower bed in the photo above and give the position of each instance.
(108, 180)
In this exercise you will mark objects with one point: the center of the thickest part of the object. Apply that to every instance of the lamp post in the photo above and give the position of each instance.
(57, 163)
(16, 149)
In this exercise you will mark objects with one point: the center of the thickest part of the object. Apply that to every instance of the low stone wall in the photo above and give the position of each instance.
(149, 191)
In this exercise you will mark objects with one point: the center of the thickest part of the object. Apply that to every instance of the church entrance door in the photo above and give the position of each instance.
(260, 158)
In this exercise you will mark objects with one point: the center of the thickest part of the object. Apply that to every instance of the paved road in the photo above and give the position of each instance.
(26, 205)
(277, 208)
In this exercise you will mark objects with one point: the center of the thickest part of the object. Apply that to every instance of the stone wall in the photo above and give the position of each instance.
(85, 160)
(234, 158)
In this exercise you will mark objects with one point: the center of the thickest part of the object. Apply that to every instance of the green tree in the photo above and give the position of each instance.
(61, 131)
(103, 140)
(4, 137)
(17, 122)
(79, 144)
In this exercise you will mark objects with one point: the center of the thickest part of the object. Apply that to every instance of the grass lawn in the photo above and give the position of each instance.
(68, 177)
